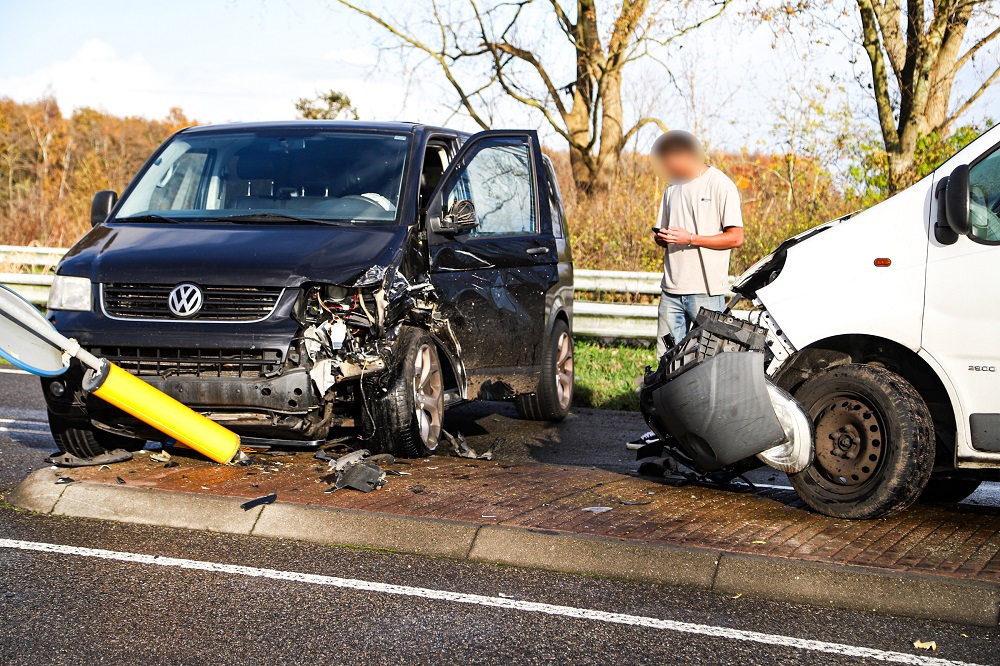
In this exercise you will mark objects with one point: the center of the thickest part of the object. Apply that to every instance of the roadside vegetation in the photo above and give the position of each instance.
(606, 373)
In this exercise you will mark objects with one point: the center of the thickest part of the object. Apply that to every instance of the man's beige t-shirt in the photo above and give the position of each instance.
(704, 206)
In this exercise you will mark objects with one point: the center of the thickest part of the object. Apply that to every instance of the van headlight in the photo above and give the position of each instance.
(71, 293)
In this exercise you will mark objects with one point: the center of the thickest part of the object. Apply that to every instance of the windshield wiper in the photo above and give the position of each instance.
(270, 217)
(148, 217)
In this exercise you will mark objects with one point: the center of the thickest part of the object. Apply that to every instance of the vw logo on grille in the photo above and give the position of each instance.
(185, 300)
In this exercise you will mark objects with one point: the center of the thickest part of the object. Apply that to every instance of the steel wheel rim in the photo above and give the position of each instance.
(428, 393)
(564, 370)
(850, 442)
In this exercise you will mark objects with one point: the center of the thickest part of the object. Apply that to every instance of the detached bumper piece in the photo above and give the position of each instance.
(709, 400)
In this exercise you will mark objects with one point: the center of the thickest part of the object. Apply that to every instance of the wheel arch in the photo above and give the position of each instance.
(874, 350)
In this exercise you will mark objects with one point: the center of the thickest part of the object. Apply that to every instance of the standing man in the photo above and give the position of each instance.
(698, 224)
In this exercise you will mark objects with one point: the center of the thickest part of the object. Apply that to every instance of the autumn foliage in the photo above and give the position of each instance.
(51, 166)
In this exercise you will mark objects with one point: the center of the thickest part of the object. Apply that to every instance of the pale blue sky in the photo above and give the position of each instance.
(223, 60)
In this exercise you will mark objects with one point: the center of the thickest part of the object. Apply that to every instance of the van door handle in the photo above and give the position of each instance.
(537, 250)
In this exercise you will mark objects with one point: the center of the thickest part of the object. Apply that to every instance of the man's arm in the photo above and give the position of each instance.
(731, 237)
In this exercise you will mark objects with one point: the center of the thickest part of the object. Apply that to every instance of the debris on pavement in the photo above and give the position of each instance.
(598, 509)
(925, 645)
(357, 470)
(631, 503)
(69, 460)
(462, 449)
(63, 480)
(172, 463)
(160, 456)
(119, 480)
(264, 499)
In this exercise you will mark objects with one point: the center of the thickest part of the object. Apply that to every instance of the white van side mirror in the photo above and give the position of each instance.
(952, 193)
(956, 200)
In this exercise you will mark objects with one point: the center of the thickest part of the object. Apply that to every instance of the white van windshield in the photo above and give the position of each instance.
(273, 174)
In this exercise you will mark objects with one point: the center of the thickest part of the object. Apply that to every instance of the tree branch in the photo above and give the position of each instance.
(441, 57)
(639, 125)
(883, 100)
(964, 106)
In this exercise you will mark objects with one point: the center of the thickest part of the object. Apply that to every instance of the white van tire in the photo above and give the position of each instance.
(874, 439)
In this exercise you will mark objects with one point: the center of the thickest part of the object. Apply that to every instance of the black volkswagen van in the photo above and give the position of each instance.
(289, 278)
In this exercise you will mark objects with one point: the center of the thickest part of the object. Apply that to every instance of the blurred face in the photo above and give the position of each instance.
(681, 165)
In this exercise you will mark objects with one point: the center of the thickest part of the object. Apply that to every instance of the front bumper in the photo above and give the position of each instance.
(711, 403)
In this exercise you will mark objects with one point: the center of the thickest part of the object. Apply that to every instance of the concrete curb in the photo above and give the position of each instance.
(796, 581)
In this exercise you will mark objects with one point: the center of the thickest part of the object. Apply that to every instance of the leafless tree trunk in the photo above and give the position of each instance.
(588, 111)
(915, 49)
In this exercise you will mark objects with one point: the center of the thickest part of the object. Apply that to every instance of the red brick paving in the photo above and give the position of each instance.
(961, 542)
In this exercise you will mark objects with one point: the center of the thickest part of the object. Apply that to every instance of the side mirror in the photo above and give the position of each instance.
(956, 200)
(101, 206)
(461, 218)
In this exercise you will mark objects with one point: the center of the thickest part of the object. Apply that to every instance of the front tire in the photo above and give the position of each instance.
(554, 397)
(874, 441)
(403, 409)
(88, 442)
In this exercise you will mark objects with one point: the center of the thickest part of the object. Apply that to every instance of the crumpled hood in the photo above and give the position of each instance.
(281, 255)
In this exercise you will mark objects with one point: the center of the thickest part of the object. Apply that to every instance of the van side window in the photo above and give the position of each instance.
(498, 179)
(984, 200)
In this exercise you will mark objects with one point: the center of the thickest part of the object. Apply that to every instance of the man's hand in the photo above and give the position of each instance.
(731, 237)
(675, 236)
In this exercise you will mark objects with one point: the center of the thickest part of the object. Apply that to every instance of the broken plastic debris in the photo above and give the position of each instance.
(758, 542)
(119, 480)
(62, 480)
(463, 450)
(629, 503)
(103, 467)
(69, 460)
(171, 464)
(160, 456)
(263, 499)
(357, 471)
(598, 509)
(925, 645)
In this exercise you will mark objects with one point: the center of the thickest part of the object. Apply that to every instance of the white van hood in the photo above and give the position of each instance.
(829, 283)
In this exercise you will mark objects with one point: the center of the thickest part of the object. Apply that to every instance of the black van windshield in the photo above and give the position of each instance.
(274, 175)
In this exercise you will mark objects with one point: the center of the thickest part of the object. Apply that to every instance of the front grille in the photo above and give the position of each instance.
(150, 301)
(155, 361)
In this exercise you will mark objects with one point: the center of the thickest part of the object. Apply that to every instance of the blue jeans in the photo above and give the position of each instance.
(677, 313)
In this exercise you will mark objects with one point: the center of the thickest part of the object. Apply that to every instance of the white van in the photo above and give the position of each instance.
(886, 330)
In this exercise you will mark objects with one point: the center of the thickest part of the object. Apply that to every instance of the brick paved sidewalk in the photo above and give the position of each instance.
(955, 542)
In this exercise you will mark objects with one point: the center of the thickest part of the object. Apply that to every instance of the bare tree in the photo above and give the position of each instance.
(915, 50)
(488, 46)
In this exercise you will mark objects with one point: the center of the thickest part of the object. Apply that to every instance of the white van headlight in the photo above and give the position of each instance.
(71, 293)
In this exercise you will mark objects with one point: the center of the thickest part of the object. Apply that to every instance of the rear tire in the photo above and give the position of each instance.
(554, 397)
(88, 443)
(874, 443)
(402, 410)
(945, 490)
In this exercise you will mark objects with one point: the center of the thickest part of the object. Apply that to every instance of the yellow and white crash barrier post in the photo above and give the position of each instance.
(29, 341)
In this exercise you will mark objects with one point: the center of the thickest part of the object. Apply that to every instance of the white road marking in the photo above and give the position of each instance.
(22, 431)
(13, 371)
(494, 602)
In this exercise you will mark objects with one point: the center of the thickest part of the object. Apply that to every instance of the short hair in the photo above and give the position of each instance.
(677, 141)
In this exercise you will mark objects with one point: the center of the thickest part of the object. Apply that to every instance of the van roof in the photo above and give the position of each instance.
(389, 126)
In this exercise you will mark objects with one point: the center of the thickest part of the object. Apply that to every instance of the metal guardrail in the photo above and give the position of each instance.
(604, 320)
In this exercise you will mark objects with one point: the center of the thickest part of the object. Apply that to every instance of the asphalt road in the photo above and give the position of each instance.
(294, 602)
